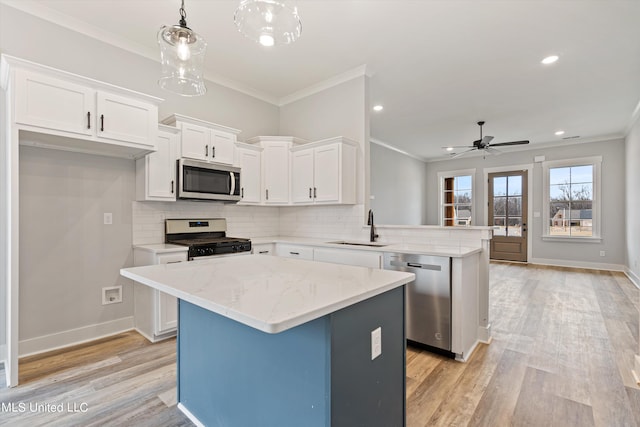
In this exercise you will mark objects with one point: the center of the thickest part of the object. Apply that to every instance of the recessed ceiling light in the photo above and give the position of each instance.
(449, 148)
(550, 59)
(377, 108)
(560, 132)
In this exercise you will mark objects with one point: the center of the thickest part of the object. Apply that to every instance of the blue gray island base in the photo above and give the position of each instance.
(317, 374)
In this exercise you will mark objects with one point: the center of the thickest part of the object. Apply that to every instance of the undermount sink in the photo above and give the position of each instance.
(372, 244)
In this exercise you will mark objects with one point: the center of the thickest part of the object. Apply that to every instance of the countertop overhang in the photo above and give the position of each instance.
(271, 294)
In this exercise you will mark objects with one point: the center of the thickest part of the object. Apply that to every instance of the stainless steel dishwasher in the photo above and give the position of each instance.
(428, 297)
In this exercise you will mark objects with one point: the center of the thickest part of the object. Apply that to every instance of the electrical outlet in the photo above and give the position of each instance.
(602, 253)
(108, 218)
(376, 343)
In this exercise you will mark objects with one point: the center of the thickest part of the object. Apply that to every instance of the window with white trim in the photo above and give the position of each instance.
(456, 198)
(572, 198)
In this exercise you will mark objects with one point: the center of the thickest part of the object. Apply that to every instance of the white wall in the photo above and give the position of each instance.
(632, 208)
(570, 253)
(398, 187)
(58, 47)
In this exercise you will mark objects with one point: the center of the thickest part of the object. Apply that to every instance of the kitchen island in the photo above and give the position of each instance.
(273, 341)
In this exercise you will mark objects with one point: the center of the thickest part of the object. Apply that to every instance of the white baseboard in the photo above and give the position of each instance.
(633, 277)
(190, 415)
(577, 264)
(74, 336)
(484, 334)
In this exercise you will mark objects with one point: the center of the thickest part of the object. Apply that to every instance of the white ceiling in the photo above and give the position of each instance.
(437, 66)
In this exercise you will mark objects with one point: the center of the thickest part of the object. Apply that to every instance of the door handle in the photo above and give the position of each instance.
(315, 192)
(171, 186)
(213, 151)
(101, 122)
(266, 193)
(310, 192)
(206, 150)
(88, 119)
(242, 192)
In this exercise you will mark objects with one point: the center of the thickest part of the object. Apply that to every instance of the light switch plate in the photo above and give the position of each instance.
(376, 343)
(108, 218)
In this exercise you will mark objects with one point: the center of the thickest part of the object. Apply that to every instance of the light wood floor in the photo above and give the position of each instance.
(563, 345)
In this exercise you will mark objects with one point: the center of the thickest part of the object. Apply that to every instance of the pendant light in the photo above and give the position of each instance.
(268, 22)
(182, 55)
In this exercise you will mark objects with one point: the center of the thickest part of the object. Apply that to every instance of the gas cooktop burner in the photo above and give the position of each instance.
(204, 237)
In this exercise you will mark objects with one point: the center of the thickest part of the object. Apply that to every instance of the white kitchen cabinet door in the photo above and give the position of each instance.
(167, 305)
(275, 162)
(195, 142)
(222, 147)
(249, 161)
(55, 104)
(124, 119)
(327, 174)
(156, 172)
(302, 185)
(294, 251)
(348, 257)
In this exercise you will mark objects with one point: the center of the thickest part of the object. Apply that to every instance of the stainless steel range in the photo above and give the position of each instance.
(206, 238)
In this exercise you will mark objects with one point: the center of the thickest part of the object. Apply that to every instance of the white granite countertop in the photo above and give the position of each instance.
(426, 249)
(271, 294)
(159, 248)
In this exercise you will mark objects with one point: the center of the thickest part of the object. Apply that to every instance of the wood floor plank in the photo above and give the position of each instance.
(563, 344)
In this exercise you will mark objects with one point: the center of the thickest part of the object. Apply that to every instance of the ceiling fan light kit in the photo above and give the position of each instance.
(484, 144)
(268, 22)
(182, 53)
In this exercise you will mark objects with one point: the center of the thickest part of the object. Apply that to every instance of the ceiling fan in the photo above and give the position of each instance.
(484, 143)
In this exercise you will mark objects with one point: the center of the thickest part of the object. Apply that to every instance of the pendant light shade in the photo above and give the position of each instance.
(182, 53)
(268, 22)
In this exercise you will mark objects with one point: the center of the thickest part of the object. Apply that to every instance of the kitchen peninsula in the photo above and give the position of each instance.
(285, 342)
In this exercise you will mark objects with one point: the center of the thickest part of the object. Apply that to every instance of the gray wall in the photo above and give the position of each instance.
(67, 254)
(100, 254)
(398, 187)
(632, 197)
(613, 184)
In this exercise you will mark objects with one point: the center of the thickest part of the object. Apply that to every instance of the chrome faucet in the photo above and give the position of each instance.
(373, 236)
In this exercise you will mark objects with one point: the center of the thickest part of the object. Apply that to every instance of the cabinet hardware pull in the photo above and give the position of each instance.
(315, 192)
(101, 122)
(173, 262)
(310, 192)
(242, 192)
(263, 252)
(88, 119)
(206, 150)
(267, 193)
(294, 253)
(213, 151)
(171, 186)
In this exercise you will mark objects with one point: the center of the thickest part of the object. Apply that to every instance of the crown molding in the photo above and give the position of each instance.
(41, 11)
(396, 149)
(359, 71)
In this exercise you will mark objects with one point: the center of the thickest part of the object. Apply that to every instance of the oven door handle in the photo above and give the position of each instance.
(232, 176)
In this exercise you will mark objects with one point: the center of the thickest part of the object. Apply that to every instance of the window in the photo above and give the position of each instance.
(572, 205)
(456, 206)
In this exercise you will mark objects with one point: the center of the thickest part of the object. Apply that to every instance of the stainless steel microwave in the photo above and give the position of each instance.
(207, 181)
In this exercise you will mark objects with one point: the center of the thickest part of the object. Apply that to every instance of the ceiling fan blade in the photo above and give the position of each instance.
(510, 143)
(492, 150)
(458, 146)
(486, 140)
(462, 153)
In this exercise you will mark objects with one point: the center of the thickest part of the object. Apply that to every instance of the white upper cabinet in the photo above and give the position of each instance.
(205, 141)
(249, 160)
(80, 114)
(276, 167)
(156, 172)
(324, 172)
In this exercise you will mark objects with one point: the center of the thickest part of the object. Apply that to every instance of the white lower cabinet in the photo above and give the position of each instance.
(294, 251)
(156, 313)
(263, 249)
(348, 257)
